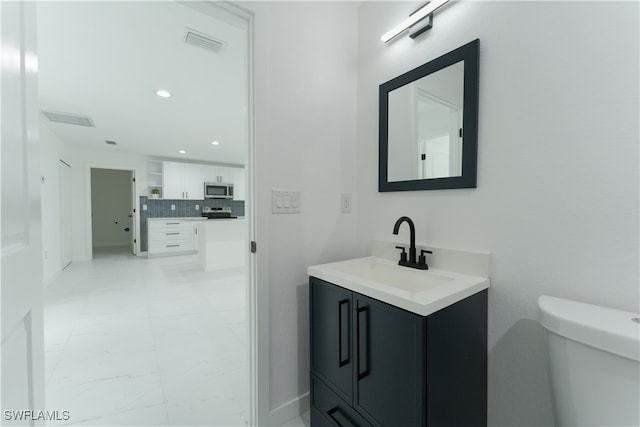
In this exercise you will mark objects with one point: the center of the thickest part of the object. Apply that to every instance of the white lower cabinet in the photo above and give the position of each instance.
(168, 236)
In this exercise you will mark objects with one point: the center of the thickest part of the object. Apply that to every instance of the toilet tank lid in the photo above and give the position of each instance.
(600, 327)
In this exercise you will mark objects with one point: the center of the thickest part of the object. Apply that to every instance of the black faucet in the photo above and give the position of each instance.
(421, 264)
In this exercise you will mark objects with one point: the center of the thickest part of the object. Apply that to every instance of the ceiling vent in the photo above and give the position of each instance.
(110, 142)
(196, 38)
(68, 118)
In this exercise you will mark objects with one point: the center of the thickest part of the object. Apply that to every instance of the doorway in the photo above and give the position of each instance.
(112, 211)
(180, 293)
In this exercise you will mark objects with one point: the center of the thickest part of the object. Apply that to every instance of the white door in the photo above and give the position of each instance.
(132, 214)
(22, 342)
(65, 213)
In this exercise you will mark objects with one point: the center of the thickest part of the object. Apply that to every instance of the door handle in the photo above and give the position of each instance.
(339, 419)
(343, 333)
(362, 339)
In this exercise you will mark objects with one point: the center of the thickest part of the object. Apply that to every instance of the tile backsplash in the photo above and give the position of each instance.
(161, 208)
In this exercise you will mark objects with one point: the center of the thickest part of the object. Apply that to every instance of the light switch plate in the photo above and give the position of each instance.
(285, 201)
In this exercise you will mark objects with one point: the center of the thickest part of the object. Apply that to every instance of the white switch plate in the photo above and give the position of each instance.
(345, 203)
(285, 201)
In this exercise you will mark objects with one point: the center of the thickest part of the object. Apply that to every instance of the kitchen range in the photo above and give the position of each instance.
(211, 212)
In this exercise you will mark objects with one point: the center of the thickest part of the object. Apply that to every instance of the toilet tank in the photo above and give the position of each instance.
(594, 362)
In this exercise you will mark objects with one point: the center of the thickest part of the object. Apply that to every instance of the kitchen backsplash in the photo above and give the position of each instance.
(161, 208)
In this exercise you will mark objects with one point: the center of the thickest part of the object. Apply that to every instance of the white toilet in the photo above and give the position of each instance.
(594, 358)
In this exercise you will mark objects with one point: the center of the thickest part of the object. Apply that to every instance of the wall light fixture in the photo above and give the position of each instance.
(425, 11)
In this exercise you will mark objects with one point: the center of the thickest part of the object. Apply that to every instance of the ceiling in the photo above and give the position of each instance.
(105, 60)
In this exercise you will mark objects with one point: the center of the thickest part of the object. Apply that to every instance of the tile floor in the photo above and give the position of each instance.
(138, 342)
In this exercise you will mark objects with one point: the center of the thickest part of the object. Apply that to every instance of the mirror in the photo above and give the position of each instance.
(429, 124)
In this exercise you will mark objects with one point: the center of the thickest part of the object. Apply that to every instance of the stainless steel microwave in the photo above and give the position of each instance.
(218, 190)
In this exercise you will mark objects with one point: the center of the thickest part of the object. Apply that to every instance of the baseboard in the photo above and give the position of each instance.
(48, 280)
(289, 410)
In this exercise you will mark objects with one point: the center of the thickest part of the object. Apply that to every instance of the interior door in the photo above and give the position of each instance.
(22, 344)
(65, 213)
(132, 214)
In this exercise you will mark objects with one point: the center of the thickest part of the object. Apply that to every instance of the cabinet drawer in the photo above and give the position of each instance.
(327, 409)
(172, 246)
(168, 223)
(171, 234)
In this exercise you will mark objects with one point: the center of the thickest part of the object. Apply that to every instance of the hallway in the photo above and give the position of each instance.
(132, 341)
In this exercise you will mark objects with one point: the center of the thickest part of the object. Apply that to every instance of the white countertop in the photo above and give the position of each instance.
(422, 292)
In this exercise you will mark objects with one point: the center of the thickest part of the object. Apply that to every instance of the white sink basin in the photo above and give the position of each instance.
(419, 291)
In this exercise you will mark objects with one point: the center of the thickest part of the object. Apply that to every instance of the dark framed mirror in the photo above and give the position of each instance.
(428, 126)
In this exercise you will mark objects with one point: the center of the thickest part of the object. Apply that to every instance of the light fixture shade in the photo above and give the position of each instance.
(415, 17)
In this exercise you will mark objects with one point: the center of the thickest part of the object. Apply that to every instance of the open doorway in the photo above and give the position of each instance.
(112, 212)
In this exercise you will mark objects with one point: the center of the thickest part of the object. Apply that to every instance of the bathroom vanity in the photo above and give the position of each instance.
(391, 346)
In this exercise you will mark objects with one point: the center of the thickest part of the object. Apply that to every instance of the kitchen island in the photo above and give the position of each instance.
(222, 243)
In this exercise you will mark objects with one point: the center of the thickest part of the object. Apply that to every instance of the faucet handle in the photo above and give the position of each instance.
(403, 255)
(422, 259)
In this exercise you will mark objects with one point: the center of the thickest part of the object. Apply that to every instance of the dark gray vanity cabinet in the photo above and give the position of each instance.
(373, 364)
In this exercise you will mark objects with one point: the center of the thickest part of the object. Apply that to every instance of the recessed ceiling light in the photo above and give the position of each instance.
(215, 143)
(182, 152)
(163, 93)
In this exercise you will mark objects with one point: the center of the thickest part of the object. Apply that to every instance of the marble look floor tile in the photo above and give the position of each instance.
(304, 420)
(105, 397)
(140, 342)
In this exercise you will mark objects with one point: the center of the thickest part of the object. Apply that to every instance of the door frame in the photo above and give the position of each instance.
(88, 207)
(65, 213)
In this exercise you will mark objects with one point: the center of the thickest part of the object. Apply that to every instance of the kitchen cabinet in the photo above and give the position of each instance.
(169, 236)
(221, 174)
(239, 185)
(373, 364)
(182, 181)
(154, 176)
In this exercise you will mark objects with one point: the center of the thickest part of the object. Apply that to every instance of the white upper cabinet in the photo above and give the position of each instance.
(239, 184)
(193, 182)
(182, 181)
(219, 174)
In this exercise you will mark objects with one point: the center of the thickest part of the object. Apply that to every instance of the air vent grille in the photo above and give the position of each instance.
(196, 38)
(110, 142)
(68, 118)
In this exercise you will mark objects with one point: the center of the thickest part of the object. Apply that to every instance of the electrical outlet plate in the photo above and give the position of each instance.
(285, 201)
(345, 203)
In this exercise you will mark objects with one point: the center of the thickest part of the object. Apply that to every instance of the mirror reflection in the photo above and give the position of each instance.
(429, 124)
(425, 126)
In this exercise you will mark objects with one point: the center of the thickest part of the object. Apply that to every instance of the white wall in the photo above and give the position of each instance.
(111, 201)
(557, 197)
(51, 151)
(305, 136)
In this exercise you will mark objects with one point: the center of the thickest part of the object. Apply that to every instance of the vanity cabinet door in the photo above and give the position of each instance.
(331, 340)
(389, 371)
